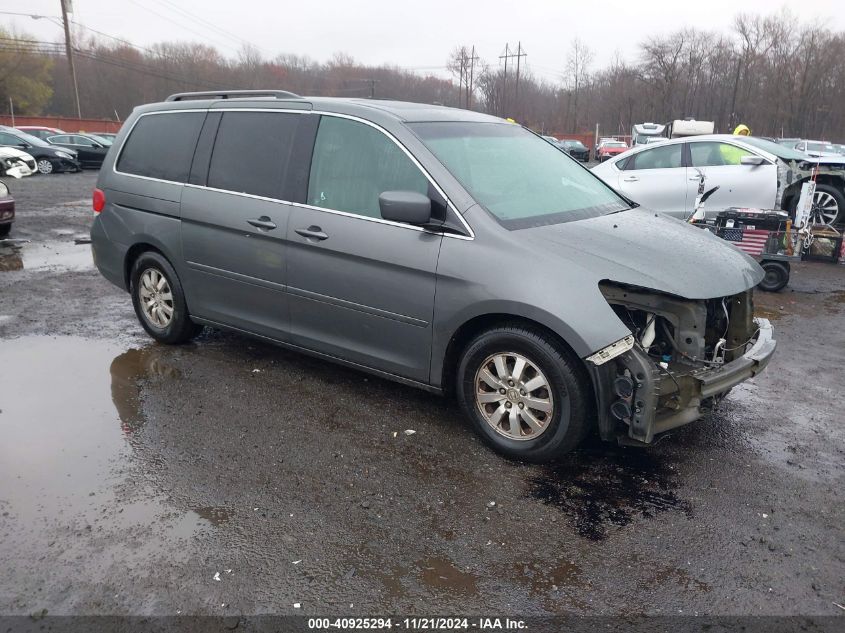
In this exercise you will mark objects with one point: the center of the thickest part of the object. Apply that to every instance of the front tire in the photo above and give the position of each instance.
(45, 166)
(159, 301)
(527, 396)
(5, 229)
(828, 205)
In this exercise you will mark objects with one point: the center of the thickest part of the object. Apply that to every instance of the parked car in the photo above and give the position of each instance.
(16, 163)
(816, 148)
(90, 149)
(749, 171)
(556, 303)
(788, 142)
(48, 158)
(39, 131)
(576, 149)
(609, 149)
(7, 210)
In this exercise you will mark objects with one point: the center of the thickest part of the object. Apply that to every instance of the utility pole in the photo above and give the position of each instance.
(506, 56)
(519, 55)
(69, 50)
(473, 58)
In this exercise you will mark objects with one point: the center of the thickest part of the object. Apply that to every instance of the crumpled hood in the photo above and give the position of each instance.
(649, 250)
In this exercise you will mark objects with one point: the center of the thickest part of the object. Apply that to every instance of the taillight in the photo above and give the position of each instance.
(98, 201)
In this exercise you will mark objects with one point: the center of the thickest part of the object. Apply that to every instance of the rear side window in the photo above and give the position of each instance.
(252, 151)
(162, 146)
(353, 164)
(666, 157)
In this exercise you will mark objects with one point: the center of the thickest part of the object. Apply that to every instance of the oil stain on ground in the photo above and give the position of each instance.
(599, 487)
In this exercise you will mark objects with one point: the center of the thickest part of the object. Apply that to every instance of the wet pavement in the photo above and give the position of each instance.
(228, 476)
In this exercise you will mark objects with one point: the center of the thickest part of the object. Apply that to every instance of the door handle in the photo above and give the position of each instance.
(263, 223)
(630, 179)
(313, 233)
(695, 177)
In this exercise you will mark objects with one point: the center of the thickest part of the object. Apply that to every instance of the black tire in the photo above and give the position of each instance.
(838, 196)
(776, 278)
(566, 425)
(5, 229)
(179, 328)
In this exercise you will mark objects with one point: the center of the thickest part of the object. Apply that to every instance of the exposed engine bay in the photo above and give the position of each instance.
(681, 357)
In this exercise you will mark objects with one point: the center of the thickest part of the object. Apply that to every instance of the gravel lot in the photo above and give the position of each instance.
(232, 477)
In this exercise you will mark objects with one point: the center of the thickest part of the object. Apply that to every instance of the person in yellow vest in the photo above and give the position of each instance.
(731, 154)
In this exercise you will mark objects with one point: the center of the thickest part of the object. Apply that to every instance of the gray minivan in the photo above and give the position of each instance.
(442, 248)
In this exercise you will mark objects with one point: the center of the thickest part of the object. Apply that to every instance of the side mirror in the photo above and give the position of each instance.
(409, 207)
(22, 145)
(751, 160)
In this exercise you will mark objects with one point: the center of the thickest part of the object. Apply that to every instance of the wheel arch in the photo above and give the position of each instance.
(470, 328)
(134, 252)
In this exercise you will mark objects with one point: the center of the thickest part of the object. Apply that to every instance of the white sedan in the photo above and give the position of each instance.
(750, 172)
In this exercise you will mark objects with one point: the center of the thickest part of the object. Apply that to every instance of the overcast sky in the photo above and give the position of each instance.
(415, 35)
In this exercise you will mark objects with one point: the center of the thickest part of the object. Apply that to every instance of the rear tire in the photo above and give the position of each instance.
(776, 277)
(5, 229)
(527, 396)
(159, 301)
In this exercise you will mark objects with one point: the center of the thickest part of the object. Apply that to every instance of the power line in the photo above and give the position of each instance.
(180, 25)
(209, 25)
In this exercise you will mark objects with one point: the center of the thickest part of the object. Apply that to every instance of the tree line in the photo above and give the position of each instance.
(775, 73)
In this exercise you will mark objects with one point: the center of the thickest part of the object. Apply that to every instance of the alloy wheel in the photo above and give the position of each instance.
(825, 208)
(156, 298)
(45, 166)
(514, 396)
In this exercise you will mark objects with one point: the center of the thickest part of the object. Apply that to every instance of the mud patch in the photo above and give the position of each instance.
(599, 487)
(441, 573)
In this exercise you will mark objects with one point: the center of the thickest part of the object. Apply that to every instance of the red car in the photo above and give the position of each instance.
(609, 149)
(7, 210)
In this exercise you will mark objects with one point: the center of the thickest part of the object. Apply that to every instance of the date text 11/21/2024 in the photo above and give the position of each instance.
(417, 624)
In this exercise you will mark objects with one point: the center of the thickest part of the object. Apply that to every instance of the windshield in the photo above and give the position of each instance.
(614, 145)
(777, 149)
(515, 175)
(101, 139)
(575, 144)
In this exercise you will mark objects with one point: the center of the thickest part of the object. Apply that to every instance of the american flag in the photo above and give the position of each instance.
(752, 241)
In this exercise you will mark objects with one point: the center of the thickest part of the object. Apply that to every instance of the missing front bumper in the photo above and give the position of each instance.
(660, 399)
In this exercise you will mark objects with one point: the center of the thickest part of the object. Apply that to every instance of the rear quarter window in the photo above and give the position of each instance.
(161, 146)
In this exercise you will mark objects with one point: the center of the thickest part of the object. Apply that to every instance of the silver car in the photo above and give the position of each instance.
(750, 172)
(445, 249)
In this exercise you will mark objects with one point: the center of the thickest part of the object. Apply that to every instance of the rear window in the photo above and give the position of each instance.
(162, 146)
(252, 151)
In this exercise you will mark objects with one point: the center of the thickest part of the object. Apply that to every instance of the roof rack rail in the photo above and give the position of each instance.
(232, 94)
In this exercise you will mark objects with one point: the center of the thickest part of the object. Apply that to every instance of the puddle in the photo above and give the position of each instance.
(441, 573)
(65, 461)
(609, 486)
(48, 255)
(126, 371)
(215, 516)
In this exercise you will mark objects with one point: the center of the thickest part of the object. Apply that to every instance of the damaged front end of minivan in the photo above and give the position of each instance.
(681, 357)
